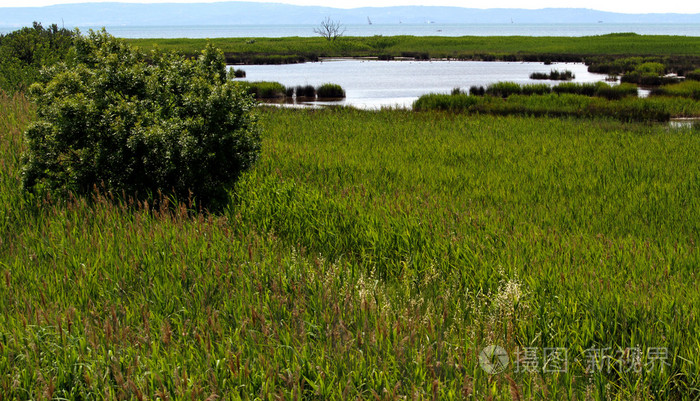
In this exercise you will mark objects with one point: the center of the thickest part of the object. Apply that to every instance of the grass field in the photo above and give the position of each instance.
(284, 50)
(370, 255)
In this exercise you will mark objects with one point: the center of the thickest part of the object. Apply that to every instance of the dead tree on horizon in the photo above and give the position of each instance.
(329, 29)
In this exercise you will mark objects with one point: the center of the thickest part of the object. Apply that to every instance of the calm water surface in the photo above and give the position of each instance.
(376, 84)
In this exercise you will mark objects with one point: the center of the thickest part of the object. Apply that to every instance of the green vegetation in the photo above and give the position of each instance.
(514, 48)
(330, 91)
(612, 54)
(601, 89)
(24, 52)
(109, 119)
(693, 75)
(365, 257)
(554, 75)
(306, 91)
(687, 89)
(264, 89)
(562, 105)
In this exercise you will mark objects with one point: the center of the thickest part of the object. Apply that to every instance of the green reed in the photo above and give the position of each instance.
(368, 255)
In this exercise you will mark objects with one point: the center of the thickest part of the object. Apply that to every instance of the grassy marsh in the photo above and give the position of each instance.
(368, 255)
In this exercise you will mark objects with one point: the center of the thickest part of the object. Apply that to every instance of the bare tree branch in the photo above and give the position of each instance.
(329, 29)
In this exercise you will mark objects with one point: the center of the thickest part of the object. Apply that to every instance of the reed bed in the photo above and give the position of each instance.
(554, 75)
(689, 89)
(506, 100)
(368, 255)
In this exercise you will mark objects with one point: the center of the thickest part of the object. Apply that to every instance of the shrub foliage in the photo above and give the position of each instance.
(25, 51)
(118, 119)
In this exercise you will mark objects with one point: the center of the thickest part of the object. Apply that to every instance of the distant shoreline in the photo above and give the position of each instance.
(365, 30)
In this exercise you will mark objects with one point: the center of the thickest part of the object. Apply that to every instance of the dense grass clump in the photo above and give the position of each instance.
(574, 88)
(553, 105)
(477, 90)
(306, 91)
(536, 89)
(601, 89)
(265, 89)
(693, 75)
(504, 89)
(330, 91)
(687, 89)
(554, 75)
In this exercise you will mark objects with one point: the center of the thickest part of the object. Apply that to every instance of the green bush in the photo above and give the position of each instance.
(109, 119)
(330, 91)
(25, 51)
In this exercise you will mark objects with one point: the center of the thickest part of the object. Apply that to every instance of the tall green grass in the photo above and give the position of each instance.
(556, 75)
(330, 91)
(562, 105)
(368, 255)
(688, 89)
(264, 89)
(580, 217)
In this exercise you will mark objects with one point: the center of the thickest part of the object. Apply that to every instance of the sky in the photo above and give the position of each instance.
(626, 6)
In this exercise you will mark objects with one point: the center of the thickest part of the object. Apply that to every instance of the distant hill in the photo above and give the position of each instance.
(250, 13)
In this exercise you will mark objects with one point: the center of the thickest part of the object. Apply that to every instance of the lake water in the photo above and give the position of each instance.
(373, 84)
(236, 31)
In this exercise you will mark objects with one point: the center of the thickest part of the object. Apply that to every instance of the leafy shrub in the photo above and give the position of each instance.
(330, 91)
(109, 119)
(24, 52)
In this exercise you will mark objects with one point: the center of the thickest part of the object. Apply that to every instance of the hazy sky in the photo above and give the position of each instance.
(628, 6)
